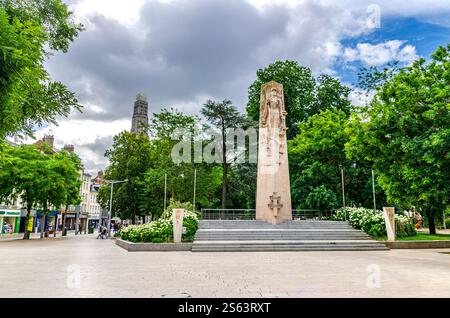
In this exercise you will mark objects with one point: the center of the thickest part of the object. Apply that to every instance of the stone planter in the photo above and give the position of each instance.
(153, 247)
(417, 244)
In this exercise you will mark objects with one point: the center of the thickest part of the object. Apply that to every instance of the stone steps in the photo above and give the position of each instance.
(263, 225)
(234, 236)
(245, 246)
(280, 237)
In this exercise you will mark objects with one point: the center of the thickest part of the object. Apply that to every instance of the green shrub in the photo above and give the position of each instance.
(191, 226)
(160, 231)
(373, 223)
(321, 198)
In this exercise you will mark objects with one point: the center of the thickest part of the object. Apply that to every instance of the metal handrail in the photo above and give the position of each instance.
(228, 214)
(303, 214)
(250, 214)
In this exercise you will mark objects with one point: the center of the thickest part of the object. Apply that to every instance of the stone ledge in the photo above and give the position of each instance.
(153, 247)
(417, 244)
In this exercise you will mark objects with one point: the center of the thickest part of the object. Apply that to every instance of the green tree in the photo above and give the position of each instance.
(28, 97)
(322, 199)
(146, 161)
(180, 175)
(129, 159)
(405, 131)
(41, 180)
(243, 178)
(223, 116)
(304, 96)
(28, 172)
(7, 178)
(59, 179)
(316, 156)
(330, 94)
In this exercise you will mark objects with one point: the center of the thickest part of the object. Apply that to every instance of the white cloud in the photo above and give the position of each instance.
(126, 12)
(313, 32)
(360, 97)
(184, 52)
(350, 54)
(382, 53)
(397, 7)
(86, 136)
(329, 53)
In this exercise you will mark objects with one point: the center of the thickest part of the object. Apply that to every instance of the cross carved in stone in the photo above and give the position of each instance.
(275, 205)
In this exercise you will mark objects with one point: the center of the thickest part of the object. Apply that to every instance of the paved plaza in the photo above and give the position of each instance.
(85, 267)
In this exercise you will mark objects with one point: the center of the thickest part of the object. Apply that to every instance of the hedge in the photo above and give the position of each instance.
(373, 223)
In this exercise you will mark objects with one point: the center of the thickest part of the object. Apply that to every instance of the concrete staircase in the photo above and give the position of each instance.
(252, 236)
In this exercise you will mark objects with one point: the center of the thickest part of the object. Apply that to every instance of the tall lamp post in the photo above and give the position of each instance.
(343, 189)
(108, 223)
(195, 185)
(342, 185)
(373, 191)
(165, 195)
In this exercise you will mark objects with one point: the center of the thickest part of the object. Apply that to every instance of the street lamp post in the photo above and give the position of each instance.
(343, 186)
(343, 189)
(195, 185)
(165, 195)
(373, 191)
(108, 223)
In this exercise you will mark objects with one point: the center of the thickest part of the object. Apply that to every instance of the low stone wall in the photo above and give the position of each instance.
(153, 247)
(417, 244)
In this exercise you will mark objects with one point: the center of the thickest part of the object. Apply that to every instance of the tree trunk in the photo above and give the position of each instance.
(224, 186)
(431, 224)
(26, 235)
(56, 224)
(224, 169)
(64, 220)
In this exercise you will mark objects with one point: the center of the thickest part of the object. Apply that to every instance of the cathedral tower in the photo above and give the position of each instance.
(140, 114)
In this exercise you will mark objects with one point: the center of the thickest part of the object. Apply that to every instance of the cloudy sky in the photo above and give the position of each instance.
(182, 52)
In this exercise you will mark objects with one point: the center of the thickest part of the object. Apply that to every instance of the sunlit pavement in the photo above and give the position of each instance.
(82, 266)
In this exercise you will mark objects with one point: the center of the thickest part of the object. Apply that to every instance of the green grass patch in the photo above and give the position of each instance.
(426, 237)
(421, 237)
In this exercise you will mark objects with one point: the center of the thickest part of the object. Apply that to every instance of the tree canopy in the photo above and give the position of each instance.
(145, 162)
(304, 95)
(41, 180)
(28, 96)
(223, 116)
(317, 155)
(405, 131)
(129, 159)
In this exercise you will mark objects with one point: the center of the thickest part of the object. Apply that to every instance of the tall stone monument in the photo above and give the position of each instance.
(273, 195)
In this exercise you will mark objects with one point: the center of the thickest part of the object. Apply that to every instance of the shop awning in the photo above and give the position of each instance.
(10, 213)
